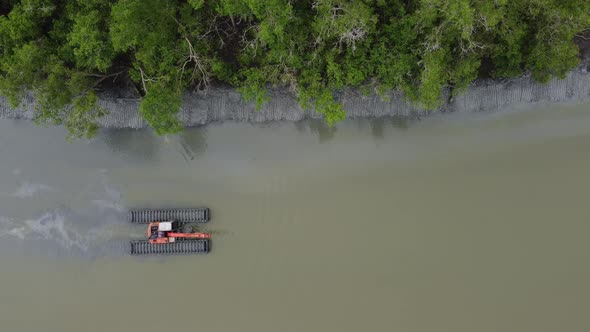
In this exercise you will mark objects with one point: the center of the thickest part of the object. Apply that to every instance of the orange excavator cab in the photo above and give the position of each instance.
(161, 232)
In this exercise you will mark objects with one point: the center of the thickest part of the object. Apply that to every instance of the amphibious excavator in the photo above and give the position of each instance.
(170, 232)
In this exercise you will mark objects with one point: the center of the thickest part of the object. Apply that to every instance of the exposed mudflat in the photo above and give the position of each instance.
(224, 103)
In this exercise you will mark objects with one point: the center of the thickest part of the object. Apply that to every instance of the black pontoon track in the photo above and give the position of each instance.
(178, 247)
(145, 216)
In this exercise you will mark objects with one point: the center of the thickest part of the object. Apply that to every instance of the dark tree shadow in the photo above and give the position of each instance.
(402, 122)
(193, 142)
(377, 128)
(318, 128)
(139, 145)
(380, 125)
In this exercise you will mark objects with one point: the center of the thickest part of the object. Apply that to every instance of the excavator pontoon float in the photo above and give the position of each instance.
(167, 234)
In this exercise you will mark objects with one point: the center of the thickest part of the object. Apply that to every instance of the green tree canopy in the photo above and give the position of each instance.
(62, 51)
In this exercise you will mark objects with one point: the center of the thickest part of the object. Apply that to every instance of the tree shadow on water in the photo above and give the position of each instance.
(402, 122)
(138, 145)
(192, 142)
(377, 128)
(398, 123)
(318, 128)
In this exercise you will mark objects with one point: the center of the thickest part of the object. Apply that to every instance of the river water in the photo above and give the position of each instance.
(459, 222)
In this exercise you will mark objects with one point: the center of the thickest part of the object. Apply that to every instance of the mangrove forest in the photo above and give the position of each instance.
(66, 52)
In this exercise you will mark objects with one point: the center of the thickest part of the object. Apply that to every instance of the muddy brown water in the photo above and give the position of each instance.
(464, 222)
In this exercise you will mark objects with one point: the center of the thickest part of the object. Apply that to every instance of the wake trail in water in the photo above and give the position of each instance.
(99, 230)
(28, 189)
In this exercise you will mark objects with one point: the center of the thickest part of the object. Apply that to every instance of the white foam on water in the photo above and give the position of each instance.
(67, 230)
(28, 189)
(113, 200)
(51, 226)
(108, 205)
(8, 228)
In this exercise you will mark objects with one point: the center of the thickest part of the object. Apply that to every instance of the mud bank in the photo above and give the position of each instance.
(221, 104)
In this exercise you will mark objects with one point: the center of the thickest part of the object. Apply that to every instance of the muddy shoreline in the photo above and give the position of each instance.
(226, 104)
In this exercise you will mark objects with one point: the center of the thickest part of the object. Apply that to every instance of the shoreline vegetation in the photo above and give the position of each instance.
(170, 63)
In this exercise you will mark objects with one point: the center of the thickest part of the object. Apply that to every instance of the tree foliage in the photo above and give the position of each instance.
(63, 51)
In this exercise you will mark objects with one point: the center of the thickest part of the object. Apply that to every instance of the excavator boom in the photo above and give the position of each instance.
(190, 235)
